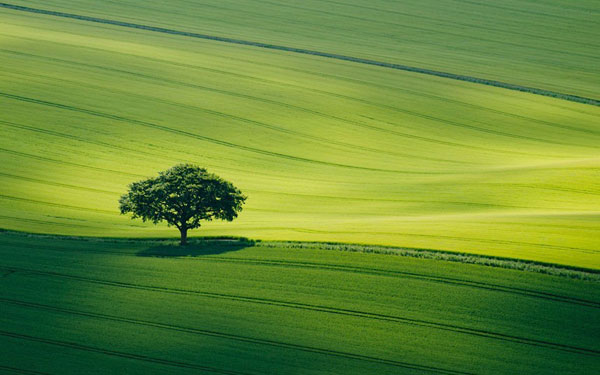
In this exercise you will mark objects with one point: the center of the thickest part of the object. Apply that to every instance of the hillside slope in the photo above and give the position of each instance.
(327, 150)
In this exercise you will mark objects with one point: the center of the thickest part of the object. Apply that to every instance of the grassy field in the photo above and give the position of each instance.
(98, 306)
(326, 150)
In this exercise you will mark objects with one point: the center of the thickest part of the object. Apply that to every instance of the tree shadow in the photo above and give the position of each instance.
(195, 249)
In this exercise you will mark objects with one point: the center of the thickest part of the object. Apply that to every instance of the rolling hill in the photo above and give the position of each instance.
(449, 131)
(327, 150)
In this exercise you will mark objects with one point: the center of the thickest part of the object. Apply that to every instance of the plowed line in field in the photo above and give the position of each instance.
(59, 205)
(318, 308)
(412, 69)
(395, 25)
(81, 139)
(402, 274)
(45, 222)
(327, 93)
(115, 353)
(445, 21)
(274, 128)
(321, 114)
(15, 370)
(245, 339)
(482, 240)
(206, 139)
(355, 269)
(63, 162)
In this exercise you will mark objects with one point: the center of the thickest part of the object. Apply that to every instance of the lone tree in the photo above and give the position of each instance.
(183, 196)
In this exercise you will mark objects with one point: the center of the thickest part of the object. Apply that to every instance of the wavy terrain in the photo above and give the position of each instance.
(327, 150)
(423, 182)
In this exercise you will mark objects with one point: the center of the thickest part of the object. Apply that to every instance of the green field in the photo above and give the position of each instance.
(326, 150)
(463, 130)
(99, 307)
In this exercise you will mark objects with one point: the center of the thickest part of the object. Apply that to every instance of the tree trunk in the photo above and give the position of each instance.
(183, 231)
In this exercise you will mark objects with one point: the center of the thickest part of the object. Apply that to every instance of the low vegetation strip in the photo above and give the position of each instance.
(516, 264)
(504, 85)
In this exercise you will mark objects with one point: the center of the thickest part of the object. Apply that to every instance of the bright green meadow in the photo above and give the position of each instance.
(327, 151)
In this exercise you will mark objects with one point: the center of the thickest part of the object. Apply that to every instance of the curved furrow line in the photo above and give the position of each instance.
(59, 184)
(429, 30)
(209, 139)
(59, 205)
(275, 128)
(15, 370)
(316, 113)
(517, 10)
(317, 308)
(484, 240)
(480, 27)
(355, 269)
(103, 144)
(375, 104)
(366, 126)
(56, 161)
(396, 200)
(245, 339)
(80, 139)
(347, 79)
(510, 86)
(114, 353)
(63, 162)
(539, 187)
(324, 92)
(352, 122)
(411, 275)
(54, 223)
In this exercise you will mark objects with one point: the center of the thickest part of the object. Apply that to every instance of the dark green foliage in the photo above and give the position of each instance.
(183, 196)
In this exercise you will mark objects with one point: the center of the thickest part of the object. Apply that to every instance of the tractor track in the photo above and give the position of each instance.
(360, 270)
(239, 338)
(316, 308)
(115, 353)
(407, 68)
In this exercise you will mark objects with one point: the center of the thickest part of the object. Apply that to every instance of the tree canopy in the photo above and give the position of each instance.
(183, 196)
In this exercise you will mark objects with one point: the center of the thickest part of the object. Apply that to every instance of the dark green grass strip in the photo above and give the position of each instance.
(459, 77)
(316, 308)
(115, 353)
(410, 275)
(245, 339)
(15, 370)
(350, 269)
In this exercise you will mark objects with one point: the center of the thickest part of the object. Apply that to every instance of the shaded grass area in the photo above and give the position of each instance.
(200, 246)
(98, 306)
